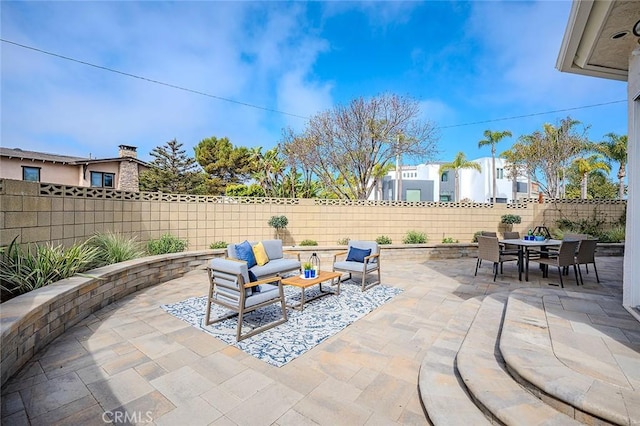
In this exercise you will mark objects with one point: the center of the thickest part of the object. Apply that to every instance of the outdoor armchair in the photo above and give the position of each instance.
(586, 255)
(231, 288)
(564, 258)
(362, 257)
(489, 249)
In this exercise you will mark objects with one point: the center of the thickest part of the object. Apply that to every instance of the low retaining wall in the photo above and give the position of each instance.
(31, 321)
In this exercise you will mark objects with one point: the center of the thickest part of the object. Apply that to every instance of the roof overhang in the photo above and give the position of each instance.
(599, 39)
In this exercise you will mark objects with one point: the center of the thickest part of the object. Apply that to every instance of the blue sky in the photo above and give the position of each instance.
(465, 62)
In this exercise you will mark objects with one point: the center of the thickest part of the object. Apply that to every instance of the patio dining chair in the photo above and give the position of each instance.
(489, 249)
(565, 257)
(230, 287)
(362, 257)
(585, 256)
(511, 235)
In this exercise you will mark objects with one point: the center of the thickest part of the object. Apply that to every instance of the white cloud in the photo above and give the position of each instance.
(231, 50)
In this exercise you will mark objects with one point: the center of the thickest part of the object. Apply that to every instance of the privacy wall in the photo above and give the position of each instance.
(40, 213)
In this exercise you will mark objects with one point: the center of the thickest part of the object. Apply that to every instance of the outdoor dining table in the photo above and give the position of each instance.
(523, 252)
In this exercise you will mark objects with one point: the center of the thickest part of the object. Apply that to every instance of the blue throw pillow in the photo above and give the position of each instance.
(253, 278)
(244, 251)
(357, 255)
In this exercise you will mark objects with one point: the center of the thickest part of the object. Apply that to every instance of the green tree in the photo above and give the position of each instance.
(345, 146)
(615, 149)
(599, 185)
(516, 166)
(492, 138)
(459, 162)
(172, 170)
(223, 164)
(550, 152)
(586, 166)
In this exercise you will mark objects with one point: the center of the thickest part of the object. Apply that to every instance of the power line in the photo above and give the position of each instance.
(173, 86)
(533, 114)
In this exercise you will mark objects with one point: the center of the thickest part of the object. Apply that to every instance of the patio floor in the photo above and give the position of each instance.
(132, 356)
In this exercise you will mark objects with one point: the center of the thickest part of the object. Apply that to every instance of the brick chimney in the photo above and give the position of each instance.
(127, 151)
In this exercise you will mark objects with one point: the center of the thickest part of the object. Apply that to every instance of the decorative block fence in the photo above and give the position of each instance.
(39, 213)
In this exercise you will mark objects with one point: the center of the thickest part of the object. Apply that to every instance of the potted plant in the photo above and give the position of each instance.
(306, 267)
(509, 220)
(278, 223)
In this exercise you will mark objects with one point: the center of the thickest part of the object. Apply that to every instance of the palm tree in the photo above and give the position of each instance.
(492, 138)
(615, 149)
(459, 162)
(588, 165)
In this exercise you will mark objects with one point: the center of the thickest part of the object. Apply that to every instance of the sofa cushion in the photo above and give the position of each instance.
(260, 254)
(244, 251)
(273, 248)
(227, 271)
(275, 267)
(357, 255)
(354, 266)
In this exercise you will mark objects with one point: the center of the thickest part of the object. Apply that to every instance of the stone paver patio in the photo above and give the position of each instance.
(133, 357)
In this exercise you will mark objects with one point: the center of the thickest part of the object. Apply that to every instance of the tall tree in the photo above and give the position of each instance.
(516, 166)
(223, 163)
(172, 170)
(615, 149)
(345, 146)
(550, 152)
(492, 138)
(586, 166)
(459, 162)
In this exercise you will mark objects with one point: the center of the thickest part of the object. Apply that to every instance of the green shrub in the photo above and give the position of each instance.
(475, 236)
(23, 270)
(308, 243)
(166, 244)
(510, 219)
(343, 241)
(383, 239)
(278, 222)
(614, 235)
(449, 240)
(415, 237)
(218, 245)
(114, 248)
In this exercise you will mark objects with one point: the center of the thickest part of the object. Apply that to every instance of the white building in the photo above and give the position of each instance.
(601, 40)
(424, 182)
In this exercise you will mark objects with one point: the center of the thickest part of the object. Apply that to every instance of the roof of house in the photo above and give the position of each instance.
(599, 38)
(63, 159)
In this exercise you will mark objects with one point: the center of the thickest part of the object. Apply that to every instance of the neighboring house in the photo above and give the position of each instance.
(601, 40)
(424, 182)
(120, 173)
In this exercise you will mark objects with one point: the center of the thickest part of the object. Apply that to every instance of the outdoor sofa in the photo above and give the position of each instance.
(265, 258)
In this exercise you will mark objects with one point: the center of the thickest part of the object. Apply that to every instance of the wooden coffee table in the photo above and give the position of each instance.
(304, 283)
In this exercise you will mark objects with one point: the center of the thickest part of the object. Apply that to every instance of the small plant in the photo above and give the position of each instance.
(343, 241)
(614, 235)
(308, 243)
(475, 236)
(218, 245)
(278, 223)
(23, 270)
(166, 244)
(510, 219)
(383, 239)
(449, 240)
(113, 248)
(415, 237)
(307, 266)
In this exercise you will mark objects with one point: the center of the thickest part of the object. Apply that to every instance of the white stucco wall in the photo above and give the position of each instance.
(631, 280)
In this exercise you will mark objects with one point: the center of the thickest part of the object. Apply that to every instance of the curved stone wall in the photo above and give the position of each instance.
(32, 320)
